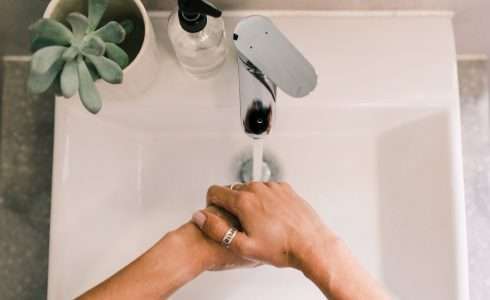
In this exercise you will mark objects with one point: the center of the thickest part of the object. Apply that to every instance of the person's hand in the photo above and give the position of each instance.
(279, 227)
(179, 257)
(208, 255)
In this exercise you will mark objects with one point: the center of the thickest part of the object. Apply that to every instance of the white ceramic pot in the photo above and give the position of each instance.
(145, 53)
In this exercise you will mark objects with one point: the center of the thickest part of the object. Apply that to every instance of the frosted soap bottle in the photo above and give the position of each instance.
(196, 30)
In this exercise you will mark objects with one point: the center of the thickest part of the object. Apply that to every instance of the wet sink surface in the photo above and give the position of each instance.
(378, 158)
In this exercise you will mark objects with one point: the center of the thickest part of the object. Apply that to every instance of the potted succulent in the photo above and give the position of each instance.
(79, 42)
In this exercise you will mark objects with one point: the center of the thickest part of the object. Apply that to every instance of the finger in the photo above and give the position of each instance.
(229, 218)
(272, 184)
(277, 187)
(225, 198)
(259, 188)
(215, 228)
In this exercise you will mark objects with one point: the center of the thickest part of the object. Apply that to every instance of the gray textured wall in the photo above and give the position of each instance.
(15, 17)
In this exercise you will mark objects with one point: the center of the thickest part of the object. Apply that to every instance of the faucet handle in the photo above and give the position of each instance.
(259, 41)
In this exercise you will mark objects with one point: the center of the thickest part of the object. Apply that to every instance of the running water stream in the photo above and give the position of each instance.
(258, 157)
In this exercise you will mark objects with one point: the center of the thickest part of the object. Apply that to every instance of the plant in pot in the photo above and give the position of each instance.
(71, 58)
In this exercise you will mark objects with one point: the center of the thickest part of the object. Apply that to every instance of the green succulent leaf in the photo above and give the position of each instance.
(96, 10)
(92, 70)
(115, 53)
(39, 42)
(92, 45)
(69, 79)
(45, 58)
(70, 53)
(39, 83)
(79, 25)
(88, 93)
(107, 69)
(111, 32)
(53, 31)
(128, 26)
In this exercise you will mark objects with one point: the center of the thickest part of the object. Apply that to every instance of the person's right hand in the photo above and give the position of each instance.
(279, 227)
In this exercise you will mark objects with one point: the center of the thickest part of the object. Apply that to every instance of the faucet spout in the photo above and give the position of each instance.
(267, 60)
(257, 99)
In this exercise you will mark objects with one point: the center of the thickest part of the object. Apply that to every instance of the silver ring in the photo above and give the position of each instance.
(235, 185)
(229, 236)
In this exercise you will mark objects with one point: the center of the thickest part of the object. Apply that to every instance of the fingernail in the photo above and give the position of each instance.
(199, 218)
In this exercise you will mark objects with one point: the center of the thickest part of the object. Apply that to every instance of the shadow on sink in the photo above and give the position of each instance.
(417, 209)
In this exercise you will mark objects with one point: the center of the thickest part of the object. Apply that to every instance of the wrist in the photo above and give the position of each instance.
(186, 252)
(338, 274)
(156, 274)
(317, 259)
(308, 251)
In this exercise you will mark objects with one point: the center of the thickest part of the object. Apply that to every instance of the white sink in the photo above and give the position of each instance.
(375, 149)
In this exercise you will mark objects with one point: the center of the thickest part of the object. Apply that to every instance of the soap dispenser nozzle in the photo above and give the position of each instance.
(193, 14)
(198, 40)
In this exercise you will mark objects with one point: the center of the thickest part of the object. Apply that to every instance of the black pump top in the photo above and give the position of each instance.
(193, 14)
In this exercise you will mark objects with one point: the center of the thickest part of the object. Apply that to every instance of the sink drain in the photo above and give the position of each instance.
(270, 169)
(247, 169)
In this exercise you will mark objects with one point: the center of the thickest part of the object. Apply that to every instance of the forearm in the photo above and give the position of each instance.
(155, 275)
(338, 274)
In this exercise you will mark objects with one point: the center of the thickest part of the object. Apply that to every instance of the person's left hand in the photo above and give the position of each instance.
(210, 255)
(179, 257)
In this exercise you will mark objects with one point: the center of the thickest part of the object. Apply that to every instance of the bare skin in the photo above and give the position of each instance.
(277, 227)
(281, 229)
(179, 257)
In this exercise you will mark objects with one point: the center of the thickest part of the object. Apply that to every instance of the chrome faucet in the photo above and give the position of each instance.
(267, 60)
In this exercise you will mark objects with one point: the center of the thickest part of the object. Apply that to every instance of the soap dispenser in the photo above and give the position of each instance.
(196, 30)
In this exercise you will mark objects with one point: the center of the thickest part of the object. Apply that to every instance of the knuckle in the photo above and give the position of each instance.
(255, 186)
(244, 196)
(208, 230)
(212, 226)
(285, 185)
(211, 190)
(212, 195)
(274, 185)
(241, 249)
(245, 200)
(244, 250)
(208, 224)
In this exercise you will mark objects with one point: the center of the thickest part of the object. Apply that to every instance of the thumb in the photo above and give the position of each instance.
(215, 227)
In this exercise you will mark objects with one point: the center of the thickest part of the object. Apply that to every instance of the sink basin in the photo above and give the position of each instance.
(375, 150)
